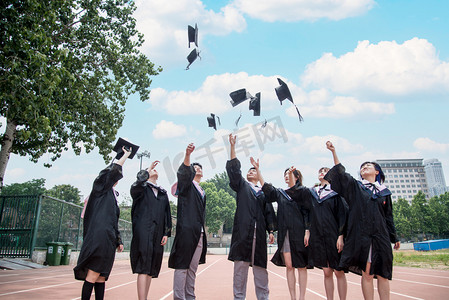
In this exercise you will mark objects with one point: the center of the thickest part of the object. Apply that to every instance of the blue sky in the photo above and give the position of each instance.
(371, 76)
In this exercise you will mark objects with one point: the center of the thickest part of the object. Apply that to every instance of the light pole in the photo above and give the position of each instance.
(141, 155)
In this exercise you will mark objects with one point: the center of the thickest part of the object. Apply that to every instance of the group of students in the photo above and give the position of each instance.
(340, 225)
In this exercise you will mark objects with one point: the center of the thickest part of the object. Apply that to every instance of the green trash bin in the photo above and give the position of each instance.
(54, 252)
(66, 251)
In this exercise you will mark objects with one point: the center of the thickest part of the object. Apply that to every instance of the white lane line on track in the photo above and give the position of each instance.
(48, 286)
(171, 292)
(20, 280)
(313, 292)
(421, 275)
(35, 289)
(423, 283)
(358, 284)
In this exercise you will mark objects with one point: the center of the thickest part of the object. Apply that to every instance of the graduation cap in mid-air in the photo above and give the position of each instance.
(124, 143)
(194, 54)
(193, 34)
(283, 93)
(254, 104)
(211, 121)
(239, 96)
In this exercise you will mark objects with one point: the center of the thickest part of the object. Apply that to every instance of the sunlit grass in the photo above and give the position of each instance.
(438, 259)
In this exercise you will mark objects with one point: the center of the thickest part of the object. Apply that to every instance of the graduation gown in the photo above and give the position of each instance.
(190, 221)
(328, 222)
(292, 216)
(151, 220)
(101, 236)
(252, 210)
(370, 222)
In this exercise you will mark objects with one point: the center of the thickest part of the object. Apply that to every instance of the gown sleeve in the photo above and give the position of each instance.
(270, 218)
(388, 210)
(138, 187)
(341, 214)
(341, 182)
(185, 177)
(107, 178)
(233, 168)
(271, 193)
(168, 223)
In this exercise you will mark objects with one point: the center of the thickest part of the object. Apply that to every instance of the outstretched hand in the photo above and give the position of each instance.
(126, 153)
(232, 139)
(190, 149)
(330, 146)
(254, 162)
(154, 164)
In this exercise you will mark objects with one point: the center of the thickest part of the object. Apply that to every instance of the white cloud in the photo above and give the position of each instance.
(387, 67)
(213, 96)
(342, 107)
(167, 129)
(296, 10)
(14, 174)
(426, 144)
(164, 24)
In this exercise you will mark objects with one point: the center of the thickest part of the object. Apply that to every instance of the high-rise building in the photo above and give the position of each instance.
(435, 177)
(404, 177)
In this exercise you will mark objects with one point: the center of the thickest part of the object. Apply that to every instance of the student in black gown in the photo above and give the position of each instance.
(253, 218)
(293, 228)
(151, 221)
(190, 244)
(101, 237)
(371, 230)
(328, 219)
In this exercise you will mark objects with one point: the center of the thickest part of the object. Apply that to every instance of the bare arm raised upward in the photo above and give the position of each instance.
(232, 139)
(331, 147)
(189, 151)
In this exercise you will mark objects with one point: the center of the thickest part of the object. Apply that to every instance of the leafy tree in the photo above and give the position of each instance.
(32, 187)
(220, 207)
(67, 68)
(419, 212)
(67, 193)
(221, 181)
(402, 217)
(438, 213)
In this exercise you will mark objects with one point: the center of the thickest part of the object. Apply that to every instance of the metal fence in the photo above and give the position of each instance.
(18, 219)
(29, 222)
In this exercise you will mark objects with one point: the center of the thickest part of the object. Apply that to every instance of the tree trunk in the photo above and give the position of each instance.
(8, 138)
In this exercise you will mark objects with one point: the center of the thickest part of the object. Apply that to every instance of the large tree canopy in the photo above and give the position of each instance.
(67, 68)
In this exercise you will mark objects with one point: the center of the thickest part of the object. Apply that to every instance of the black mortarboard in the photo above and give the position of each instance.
(192, 57)
(118, 148)
(239, 96)
(193, 35)
(211, 121)
(283, 93)
(254, 104)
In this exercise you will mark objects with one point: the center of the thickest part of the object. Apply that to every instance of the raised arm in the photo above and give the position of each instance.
(291, 176)
(256, 165)
(331, 147)
(189, 151)
(232, 139)
(126, 154)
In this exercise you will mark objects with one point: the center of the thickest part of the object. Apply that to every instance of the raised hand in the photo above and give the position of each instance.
(330, 146)
(254, 162)
(232, 139)
(154, 164)
(190, 149)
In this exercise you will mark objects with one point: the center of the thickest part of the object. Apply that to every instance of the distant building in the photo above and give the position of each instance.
(404, 177)
(435, 177)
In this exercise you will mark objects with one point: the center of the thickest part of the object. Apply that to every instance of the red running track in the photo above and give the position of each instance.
(214, 281)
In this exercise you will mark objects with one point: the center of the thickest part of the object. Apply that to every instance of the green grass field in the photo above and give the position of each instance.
(438, 259)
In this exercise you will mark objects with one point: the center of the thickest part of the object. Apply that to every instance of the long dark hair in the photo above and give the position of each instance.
(379, 177)
(297, 174)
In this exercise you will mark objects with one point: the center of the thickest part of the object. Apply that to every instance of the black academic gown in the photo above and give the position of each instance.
(328, 221)
(370, 222)
(292, 216)
(101, 236)
(190, 221)
(252, 209)
(151, 221)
